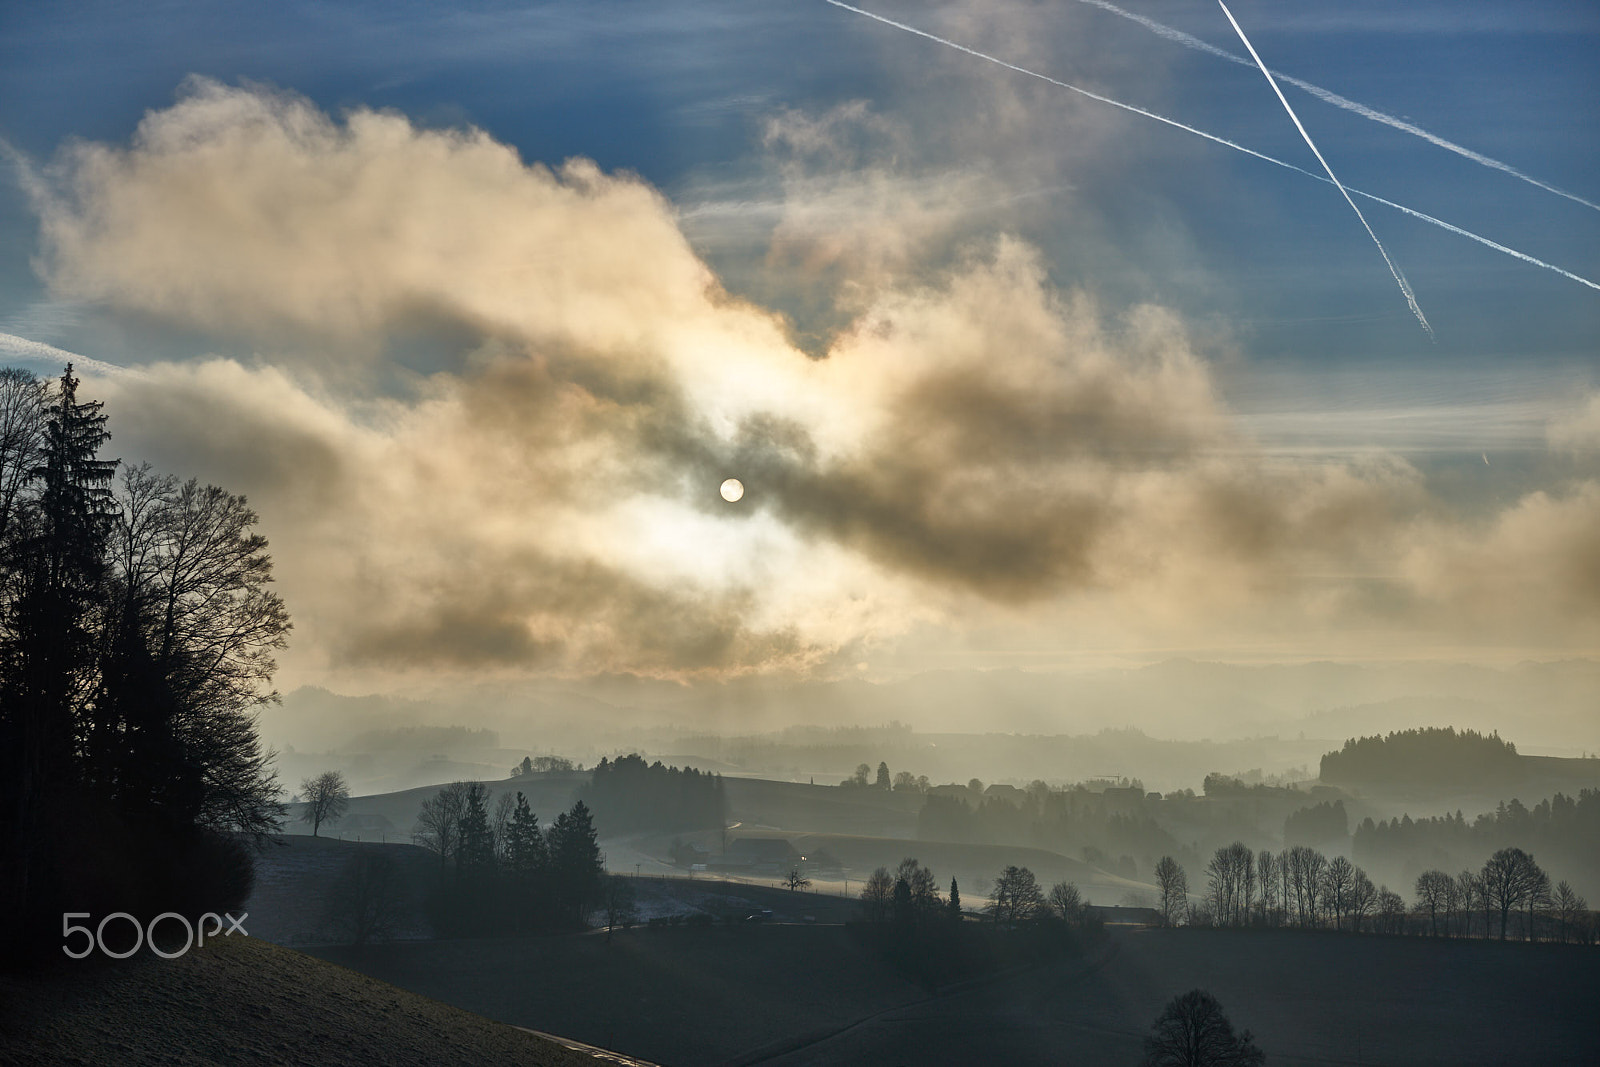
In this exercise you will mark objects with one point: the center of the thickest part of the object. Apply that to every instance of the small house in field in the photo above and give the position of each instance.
(760, 855)
(1008, 793)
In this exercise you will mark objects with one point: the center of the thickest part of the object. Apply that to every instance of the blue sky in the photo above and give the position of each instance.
(839, 176)
(678, 92)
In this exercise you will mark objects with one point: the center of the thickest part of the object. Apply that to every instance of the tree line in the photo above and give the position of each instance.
(137, 632)
(545, 765)
(1055, 819)
(500, 872)
(928, 936)
(629, 795)
(1564, 828)
(1301, 887)
(909, 896)
(1430, 755)
(902, 782)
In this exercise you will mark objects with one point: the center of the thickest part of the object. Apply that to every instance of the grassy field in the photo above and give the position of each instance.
(822, 808)
(675, 995)
(807, 995)
(297, 876)
(1310, 999)
(244, 1001)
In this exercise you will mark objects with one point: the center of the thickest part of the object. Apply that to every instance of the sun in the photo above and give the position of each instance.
(732, 490)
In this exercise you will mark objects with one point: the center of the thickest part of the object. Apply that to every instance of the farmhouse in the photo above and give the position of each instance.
(1008, 793)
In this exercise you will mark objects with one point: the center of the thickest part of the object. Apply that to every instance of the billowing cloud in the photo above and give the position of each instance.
(1578, 431)
(978, 447)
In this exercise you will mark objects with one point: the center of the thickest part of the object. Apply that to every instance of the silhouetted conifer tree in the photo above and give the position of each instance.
(475, 842)
(576, 865)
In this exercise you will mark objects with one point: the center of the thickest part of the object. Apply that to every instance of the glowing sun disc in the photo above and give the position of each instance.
(732, 490)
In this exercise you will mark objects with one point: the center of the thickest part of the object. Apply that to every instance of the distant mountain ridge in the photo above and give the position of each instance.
(1548, 706)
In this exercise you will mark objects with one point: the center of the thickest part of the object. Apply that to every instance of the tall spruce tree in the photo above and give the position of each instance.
(54, 571)
(576, 865)
(526, 854)
(475, 842)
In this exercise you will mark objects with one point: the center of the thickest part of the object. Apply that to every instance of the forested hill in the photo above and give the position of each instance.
(1428, 756)
(628, 795)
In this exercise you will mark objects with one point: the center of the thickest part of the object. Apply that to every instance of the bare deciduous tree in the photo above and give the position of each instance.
(326, 798)
(438, 826)
(1305, 867)
(1568, 908)
(1067, 902)
(1363, 899)
(1509, 879)
(1469, 895)
(1174, 886)
(1338, 879)
(1435, 890)
(1538, 901)
(1016, 897)
(877, 896)
(23, 398)
(795, 880)
(1391, 911)
(1267, 877)
(1193, 1032)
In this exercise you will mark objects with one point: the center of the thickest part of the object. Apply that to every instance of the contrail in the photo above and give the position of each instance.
(23, 348)
(1175, 124)
(1398, 277)
(1327, 96)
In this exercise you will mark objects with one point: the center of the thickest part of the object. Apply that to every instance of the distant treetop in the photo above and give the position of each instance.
(1426, 756)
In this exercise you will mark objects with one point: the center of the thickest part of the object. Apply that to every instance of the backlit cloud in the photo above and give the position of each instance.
(977, 446)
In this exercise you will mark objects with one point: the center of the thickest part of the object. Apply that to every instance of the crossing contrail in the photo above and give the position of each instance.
(1399, 279)
(1237, 147)
(1327, 96)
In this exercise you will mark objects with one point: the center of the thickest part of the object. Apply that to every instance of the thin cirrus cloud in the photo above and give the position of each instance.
(1346, 191)
(1327, 96)
(976, 445)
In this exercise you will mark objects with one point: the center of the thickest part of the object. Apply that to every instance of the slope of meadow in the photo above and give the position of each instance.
(245, 1001)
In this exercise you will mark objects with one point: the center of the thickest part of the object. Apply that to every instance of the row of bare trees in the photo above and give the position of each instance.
(1510, 891)
(910, 894)
(1296, 887)
(1301, 887)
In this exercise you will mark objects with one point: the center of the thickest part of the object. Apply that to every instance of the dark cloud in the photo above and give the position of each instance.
(532, 611)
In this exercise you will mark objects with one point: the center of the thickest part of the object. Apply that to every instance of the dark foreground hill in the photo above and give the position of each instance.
(808, 995)
(1309, 998)
(245, 1001)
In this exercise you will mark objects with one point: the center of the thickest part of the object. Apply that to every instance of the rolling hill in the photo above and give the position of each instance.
(245, 1001)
